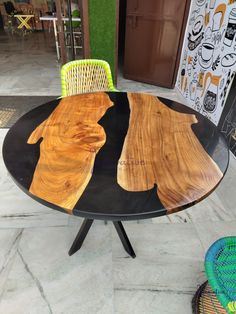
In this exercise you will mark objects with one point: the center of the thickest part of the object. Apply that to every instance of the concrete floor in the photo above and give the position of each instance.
(36, 274)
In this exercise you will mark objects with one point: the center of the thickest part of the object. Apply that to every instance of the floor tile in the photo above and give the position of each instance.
(44, 279)
(152, 302)
(166, 272)
(169, 257)
(9, 240)
(209, 232)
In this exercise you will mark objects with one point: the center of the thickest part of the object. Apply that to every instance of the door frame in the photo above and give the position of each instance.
(181, 41)
(117, 41)
(83, 4)
(61, 36)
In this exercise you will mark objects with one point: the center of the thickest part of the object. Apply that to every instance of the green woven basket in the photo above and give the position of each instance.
(220, 266)
(205, 301)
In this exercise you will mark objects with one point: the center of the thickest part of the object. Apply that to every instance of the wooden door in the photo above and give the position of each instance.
(154, 32)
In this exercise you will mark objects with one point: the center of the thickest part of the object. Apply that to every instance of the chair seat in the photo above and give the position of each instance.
(205, 301)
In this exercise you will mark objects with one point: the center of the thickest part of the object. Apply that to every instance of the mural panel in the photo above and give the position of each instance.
(208, 62)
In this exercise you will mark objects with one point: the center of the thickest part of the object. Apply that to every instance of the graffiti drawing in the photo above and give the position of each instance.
(194, 64)
(186, 93)
(217, 37)
(198, 93)
(193, 16)
(200, 78)
(196, 36)
(216, 63)
(209, 57)
(189, 66)
(205, 52)
(218, 17)
(210, 88)
(201, 2)
(222, 82)
(193, 43)
(229, 80)
(228, 60)
(207, 18)
(212, 4)
(208, 33)
(197, 106)
(198, 25)
(193, 88)
(231, 28)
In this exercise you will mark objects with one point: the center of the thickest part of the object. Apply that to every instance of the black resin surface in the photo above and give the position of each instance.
(103, 198)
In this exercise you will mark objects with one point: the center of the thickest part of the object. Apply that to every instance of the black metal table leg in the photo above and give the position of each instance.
(80, 236)
(84, 229)
(124, 238)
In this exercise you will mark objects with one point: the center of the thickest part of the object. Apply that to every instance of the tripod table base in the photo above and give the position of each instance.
(84, 229)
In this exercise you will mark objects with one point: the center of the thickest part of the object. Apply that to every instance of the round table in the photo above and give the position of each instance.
(115, 156)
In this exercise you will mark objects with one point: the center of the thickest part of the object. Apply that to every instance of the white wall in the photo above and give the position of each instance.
(208, 58)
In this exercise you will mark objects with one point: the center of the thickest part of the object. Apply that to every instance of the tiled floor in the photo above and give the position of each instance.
(38, 277)
(29, 68)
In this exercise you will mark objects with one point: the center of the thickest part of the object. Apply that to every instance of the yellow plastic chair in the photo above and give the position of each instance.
(87, 75)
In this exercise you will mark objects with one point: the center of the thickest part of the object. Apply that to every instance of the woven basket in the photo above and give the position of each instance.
(218, 294)
(206, 302)
(220, 267)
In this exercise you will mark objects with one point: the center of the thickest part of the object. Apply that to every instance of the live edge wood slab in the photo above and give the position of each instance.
(116, 156)
(71, 139)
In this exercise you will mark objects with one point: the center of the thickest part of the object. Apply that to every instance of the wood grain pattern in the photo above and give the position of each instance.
(71, 137)
(161, 149)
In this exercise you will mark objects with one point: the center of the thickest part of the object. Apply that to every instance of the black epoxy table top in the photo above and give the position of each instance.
(103, 197)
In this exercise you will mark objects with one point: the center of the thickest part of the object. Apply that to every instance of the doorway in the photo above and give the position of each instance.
(150, 40)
